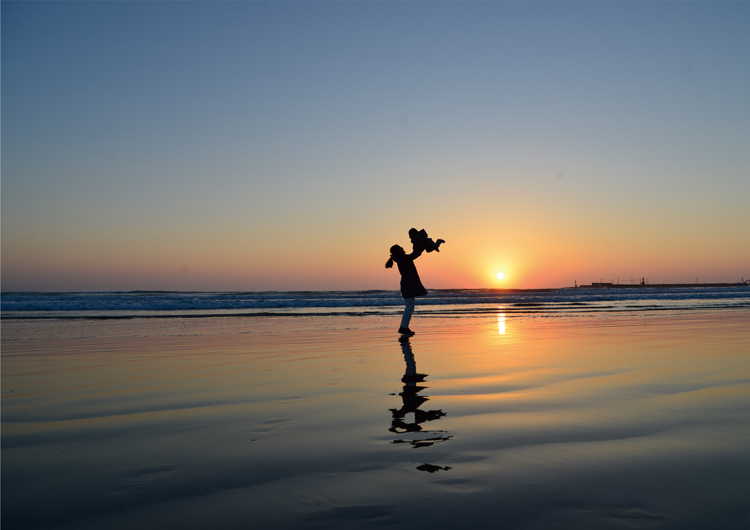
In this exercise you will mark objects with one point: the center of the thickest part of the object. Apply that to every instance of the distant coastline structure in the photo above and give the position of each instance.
(645, 283)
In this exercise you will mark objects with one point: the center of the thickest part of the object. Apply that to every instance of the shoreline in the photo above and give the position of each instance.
(29, 330)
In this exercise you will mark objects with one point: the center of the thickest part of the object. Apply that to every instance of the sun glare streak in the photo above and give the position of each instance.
(501, 323)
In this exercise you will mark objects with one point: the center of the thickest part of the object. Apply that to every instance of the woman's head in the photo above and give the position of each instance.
(396, 250)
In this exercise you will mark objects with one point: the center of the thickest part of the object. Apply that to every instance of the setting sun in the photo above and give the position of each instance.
(500, 275)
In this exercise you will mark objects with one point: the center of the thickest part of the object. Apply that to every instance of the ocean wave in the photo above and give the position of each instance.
(170, 303)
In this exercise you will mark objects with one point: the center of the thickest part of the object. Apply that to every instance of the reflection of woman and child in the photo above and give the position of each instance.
(411, 403)
(411, 285)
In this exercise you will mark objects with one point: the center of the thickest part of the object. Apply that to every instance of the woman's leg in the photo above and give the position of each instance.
(408, 310)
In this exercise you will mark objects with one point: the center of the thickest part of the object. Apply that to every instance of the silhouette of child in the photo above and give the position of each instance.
(420, 241)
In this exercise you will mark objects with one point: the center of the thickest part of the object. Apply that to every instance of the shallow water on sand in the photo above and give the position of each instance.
(639, 423)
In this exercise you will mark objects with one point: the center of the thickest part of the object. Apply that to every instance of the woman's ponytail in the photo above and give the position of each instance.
(389, 263)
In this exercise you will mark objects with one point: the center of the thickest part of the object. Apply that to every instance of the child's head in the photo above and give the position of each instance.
(413, 232)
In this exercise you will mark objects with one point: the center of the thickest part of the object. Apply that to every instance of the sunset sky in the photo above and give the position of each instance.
(287, 146)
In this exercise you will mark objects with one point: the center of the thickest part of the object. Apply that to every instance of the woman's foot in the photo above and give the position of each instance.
(405, 331)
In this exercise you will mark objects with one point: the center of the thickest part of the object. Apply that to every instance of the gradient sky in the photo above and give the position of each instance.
(255, 146)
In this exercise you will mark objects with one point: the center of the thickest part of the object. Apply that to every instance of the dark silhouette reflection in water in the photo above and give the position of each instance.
(431, 468)
(412, 401)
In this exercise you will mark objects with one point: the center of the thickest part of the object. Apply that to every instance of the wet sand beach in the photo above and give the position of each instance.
(493, 423)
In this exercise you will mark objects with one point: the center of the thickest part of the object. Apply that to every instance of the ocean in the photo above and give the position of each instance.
(439, 303)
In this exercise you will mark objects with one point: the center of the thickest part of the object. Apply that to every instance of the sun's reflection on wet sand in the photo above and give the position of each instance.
(501, 323)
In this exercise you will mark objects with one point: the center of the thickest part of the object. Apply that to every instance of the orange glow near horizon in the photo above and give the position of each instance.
(228, 258)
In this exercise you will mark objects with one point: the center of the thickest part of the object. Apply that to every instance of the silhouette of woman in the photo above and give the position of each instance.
(411, 285)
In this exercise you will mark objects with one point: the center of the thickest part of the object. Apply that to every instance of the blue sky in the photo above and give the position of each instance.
(288, 145)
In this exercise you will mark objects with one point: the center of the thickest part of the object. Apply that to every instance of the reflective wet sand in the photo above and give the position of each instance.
(632, 423)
